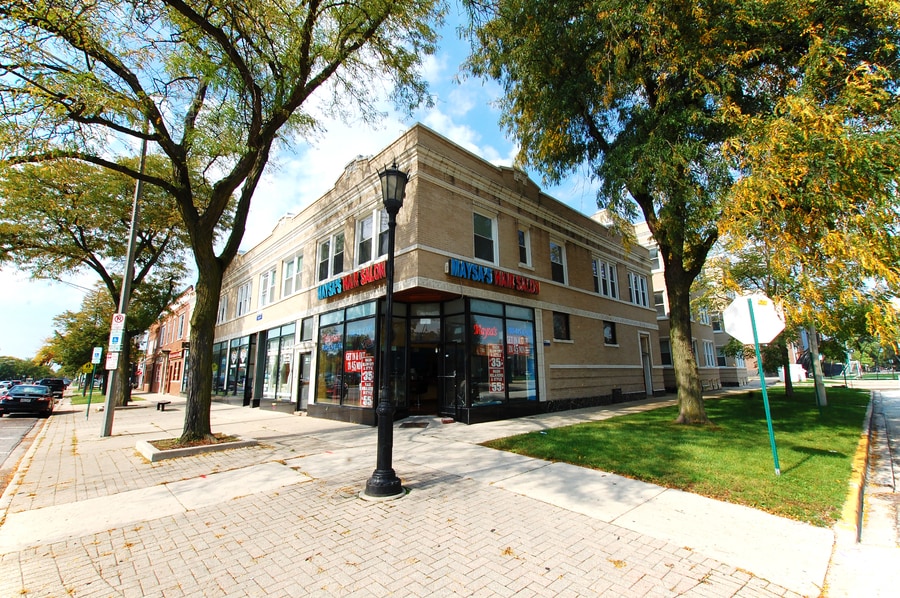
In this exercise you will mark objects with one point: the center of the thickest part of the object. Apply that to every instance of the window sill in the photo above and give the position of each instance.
(564, 340)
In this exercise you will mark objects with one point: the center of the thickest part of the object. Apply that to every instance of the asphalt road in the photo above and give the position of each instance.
(12, 430)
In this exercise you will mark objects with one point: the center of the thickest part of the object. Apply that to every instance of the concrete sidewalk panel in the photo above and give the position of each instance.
(220, 487)
(41, 526)
(49, 524)
(332, 463)
(598, 494)
(787, 552)
(471, 461)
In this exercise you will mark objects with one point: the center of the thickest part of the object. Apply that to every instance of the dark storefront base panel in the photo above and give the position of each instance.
(351, 415)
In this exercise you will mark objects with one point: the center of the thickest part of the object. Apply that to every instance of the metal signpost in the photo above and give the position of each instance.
(754, 320)
(95, 359)
(116, 336)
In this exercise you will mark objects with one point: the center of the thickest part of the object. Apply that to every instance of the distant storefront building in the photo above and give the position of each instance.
(506, 302)
(165, 356)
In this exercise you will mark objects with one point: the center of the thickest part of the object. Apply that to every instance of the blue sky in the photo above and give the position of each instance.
(464, 112)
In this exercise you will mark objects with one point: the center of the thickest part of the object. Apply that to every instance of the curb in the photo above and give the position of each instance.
(852, 512)
(153, 454)
(21, 463)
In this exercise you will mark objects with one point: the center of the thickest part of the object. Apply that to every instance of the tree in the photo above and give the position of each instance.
(13, 368)
(78, 332)
(652, 96)
(821, 184)
(69, 216)
(219, 83)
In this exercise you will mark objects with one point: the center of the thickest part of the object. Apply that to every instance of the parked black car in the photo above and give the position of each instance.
(28, 398)
(57, 385)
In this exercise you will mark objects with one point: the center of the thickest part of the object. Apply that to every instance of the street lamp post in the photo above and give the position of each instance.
(384, 482)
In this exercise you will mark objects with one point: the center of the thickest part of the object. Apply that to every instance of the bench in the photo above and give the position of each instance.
(161, 405)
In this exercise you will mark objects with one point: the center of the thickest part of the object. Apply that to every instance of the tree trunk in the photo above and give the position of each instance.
(816, 365)
(122, 384)
(786, 366)
(687, 375)
(200, 372)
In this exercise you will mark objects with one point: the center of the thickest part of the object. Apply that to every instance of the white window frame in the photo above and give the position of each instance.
(523, 241)
(703, 316)
(660, 306)
(638, 289)
(360, 239)
(655, 259)
(493, 239)
(180, 326)
(709, 351)
(377, 238)
(244, 295)
(267, 285)
(332, 267)
(665, 351)
(291, 275)
(606, 278)
(222, 314)
(562, 255)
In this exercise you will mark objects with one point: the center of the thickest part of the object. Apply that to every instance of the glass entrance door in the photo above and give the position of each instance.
(303, 391)
(453, 366)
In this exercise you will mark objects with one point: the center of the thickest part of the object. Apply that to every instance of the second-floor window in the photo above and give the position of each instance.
(267, 287)
(222, 314)
(180, 325)
(637, 285)
(606, 280)
(292, 275)
(524, 247)
(558, 262)
(709, 352)
(703, 315)
(331, 256)
(484, 237)
(659, 300)
(655, 259)
(243, 299)
(371, 237)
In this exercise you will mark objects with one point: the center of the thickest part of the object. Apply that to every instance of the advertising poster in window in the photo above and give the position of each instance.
(496, 375)
(367, 382)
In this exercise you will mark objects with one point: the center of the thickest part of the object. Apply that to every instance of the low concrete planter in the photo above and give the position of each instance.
(153, 454)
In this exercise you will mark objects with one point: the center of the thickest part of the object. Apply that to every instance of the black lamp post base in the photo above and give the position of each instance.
(383, 485)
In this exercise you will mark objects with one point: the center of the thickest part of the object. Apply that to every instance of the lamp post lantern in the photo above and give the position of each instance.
(384, 482)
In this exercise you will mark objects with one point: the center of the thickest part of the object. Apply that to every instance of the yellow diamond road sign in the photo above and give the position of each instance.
(769, 319)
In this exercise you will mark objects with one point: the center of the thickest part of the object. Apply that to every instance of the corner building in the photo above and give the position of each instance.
(506, 301)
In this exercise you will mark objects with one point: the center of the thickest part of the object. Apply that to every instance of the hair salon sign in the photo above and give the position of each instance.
(354, 280)
(492, 276)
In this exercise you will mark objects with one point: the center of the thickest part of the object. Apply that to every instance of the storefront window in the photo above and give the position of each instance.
(220, 362)
(279, 356)
(520, 360)
(238, 359)
(488, 368)
(329, 386)
(346, 361)
(359, 363)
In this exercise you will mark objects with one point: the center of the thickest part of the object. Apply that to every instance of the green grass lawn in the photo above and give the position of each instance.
(731, 459)
(98, 398)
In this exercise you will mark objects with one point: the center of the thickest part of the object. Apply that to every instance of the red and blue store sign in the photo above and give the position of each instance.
(491, 276)
(354, 280)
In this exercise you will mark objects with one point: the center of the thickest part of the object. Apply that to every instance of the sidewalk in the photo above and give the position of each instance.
(88, 516)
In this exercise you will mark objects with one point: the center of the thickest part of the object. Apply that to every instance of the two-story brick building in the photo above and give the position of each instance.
(506, 302)
(165, 354)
